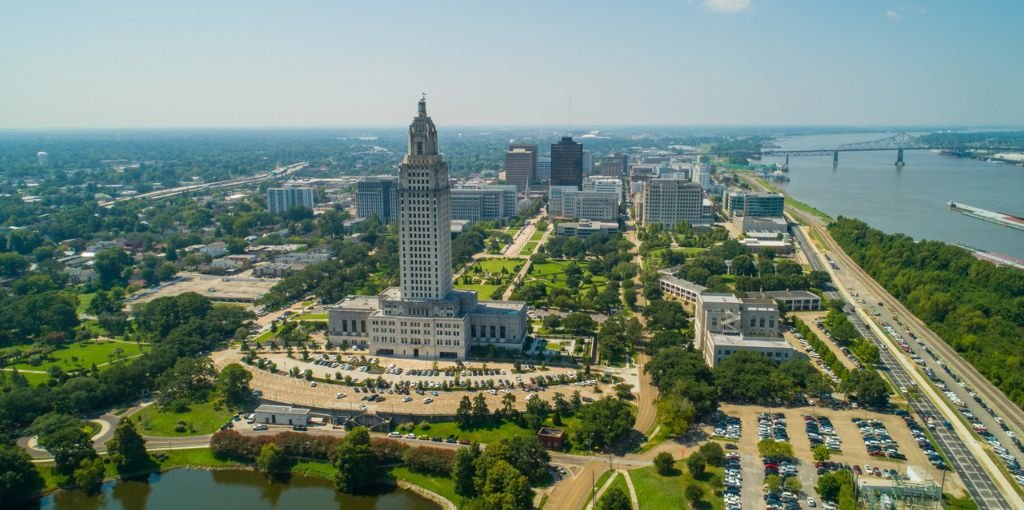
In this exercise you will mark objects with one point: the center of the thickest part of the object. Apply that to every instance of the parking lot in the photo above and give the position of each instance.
(280, 387)
(853, 446)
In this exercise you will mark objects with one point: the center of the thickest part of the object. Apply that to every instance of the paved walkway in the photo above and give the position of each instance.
(632, 490)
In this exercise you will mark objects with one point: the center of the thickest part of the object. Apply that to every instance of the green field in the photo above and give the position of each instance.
(598, 484)
(84, 300)
(654, 491)
(481, 275)
(528, 248)
(200, 419)
(552, 273)
(537, 235)
(310, 317)
(82, 355)
(618, 483)
(439, 484)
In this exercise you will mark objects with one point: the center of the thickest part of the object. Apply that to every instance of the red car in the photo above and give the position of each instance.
(856, 469)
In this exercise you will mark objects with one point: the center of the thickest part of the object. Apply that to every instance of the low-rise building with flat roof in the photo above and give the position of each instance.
(586, 228)
(679, 288)
(793, 300)
(551, 438)
(281, 415)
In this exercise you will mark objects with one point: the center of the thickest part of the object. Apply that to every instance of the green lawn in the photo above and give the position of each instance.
(82, 355)
(537, 235)
(32, 378)
(310, 317)
(552, 273)
(528, 248)
(264, 336)
(486, 434)
(442, 485)
(511, 266)
(618, 483)
(199, 457)
(84, 300)
(598, 484)
(654, 491)
(200, 419)
(690, 250)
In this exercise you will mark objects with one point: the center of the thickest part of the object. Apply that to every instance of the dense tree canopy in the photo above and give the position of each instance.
(973, 305)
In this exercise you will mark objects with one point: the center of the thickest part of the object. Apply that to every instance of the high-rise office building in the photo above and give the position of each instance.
(42, 158)
(670, 201)
(757, 205)
(521, 165)
(604, 184)
(588, 163)
(424, 317)
(567, 163)
(569, 202)
(701, 174)
(279, 200)
(614, 165)
(543, 169)
(494, 202)
(377, 196)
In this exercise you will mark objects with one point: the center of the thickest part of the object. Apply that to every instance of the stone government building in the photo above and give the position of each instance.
(424, 317)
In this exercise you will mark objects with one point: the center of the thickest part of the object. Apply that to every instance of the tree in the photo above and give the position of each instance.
(110, 265)
(713, 454)
(771, 448)
(821, 453)
(89, 474)
(773, 483)
(65, 438)
(505, 488)
(525, 453)
(463, 415)
(830, 484)
(792, 484)
(664, 463)
(868, 386)
(270, 460)
(676, 413)
(743, 265)
(604, 422)
(696, 464)
(480, 410)
(19, 480)
(552, 322)
(615, 499)
(357, 466)
(694, 493)
(579, 323)
(189, 380)
(464, 469)
(127, 448)
(233, 383)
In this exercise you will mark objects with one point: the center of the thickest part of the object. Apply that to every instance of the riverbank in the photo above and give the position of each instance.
(796, 204)
(439, 490)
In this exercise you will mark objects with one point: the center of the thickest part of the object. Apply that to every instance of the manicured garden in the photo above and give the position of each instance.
(489, 276)
(529, 248)
(552, 273)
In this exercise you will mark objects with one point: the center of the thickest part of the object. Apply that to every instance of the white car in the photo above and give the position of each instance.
(339, 395)
(259, 426)
(394, 434)
(410, 436)
(811, 503)
(428, 400)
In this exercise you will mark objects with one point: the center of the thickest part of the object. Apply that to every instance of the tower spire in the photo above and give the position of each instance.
(423, 104)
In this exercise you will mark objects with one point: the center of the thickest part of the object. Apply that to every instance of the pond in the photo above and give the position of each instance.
(225, 490)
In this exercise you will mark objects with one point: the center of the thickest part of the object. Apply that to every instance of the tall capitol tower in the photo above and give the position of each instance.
(424, 317)
(424, 215)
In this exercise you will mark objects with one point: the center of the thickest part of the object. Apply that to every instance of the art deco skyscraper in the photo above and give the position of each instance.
(424, 215)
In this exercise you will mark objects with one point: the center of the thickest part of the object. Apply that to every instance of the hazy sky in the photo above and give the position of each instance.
(109, 63)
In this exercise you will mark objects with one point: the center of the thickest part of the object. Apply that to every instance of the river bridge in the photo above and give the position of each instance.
(899, 142)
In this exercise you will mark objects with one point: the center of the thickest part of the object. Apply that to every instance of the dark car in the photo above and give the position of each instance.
(300, 428)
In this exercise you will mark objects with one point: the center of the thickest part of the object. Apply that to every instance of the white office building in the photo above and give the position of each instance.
(279, 200)
(492, 202)
(569, 202)
(671, 201)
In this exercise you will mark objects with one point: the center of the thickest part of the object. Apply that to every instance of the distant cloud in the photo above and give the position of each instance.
(728, 6)
(905, 11)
